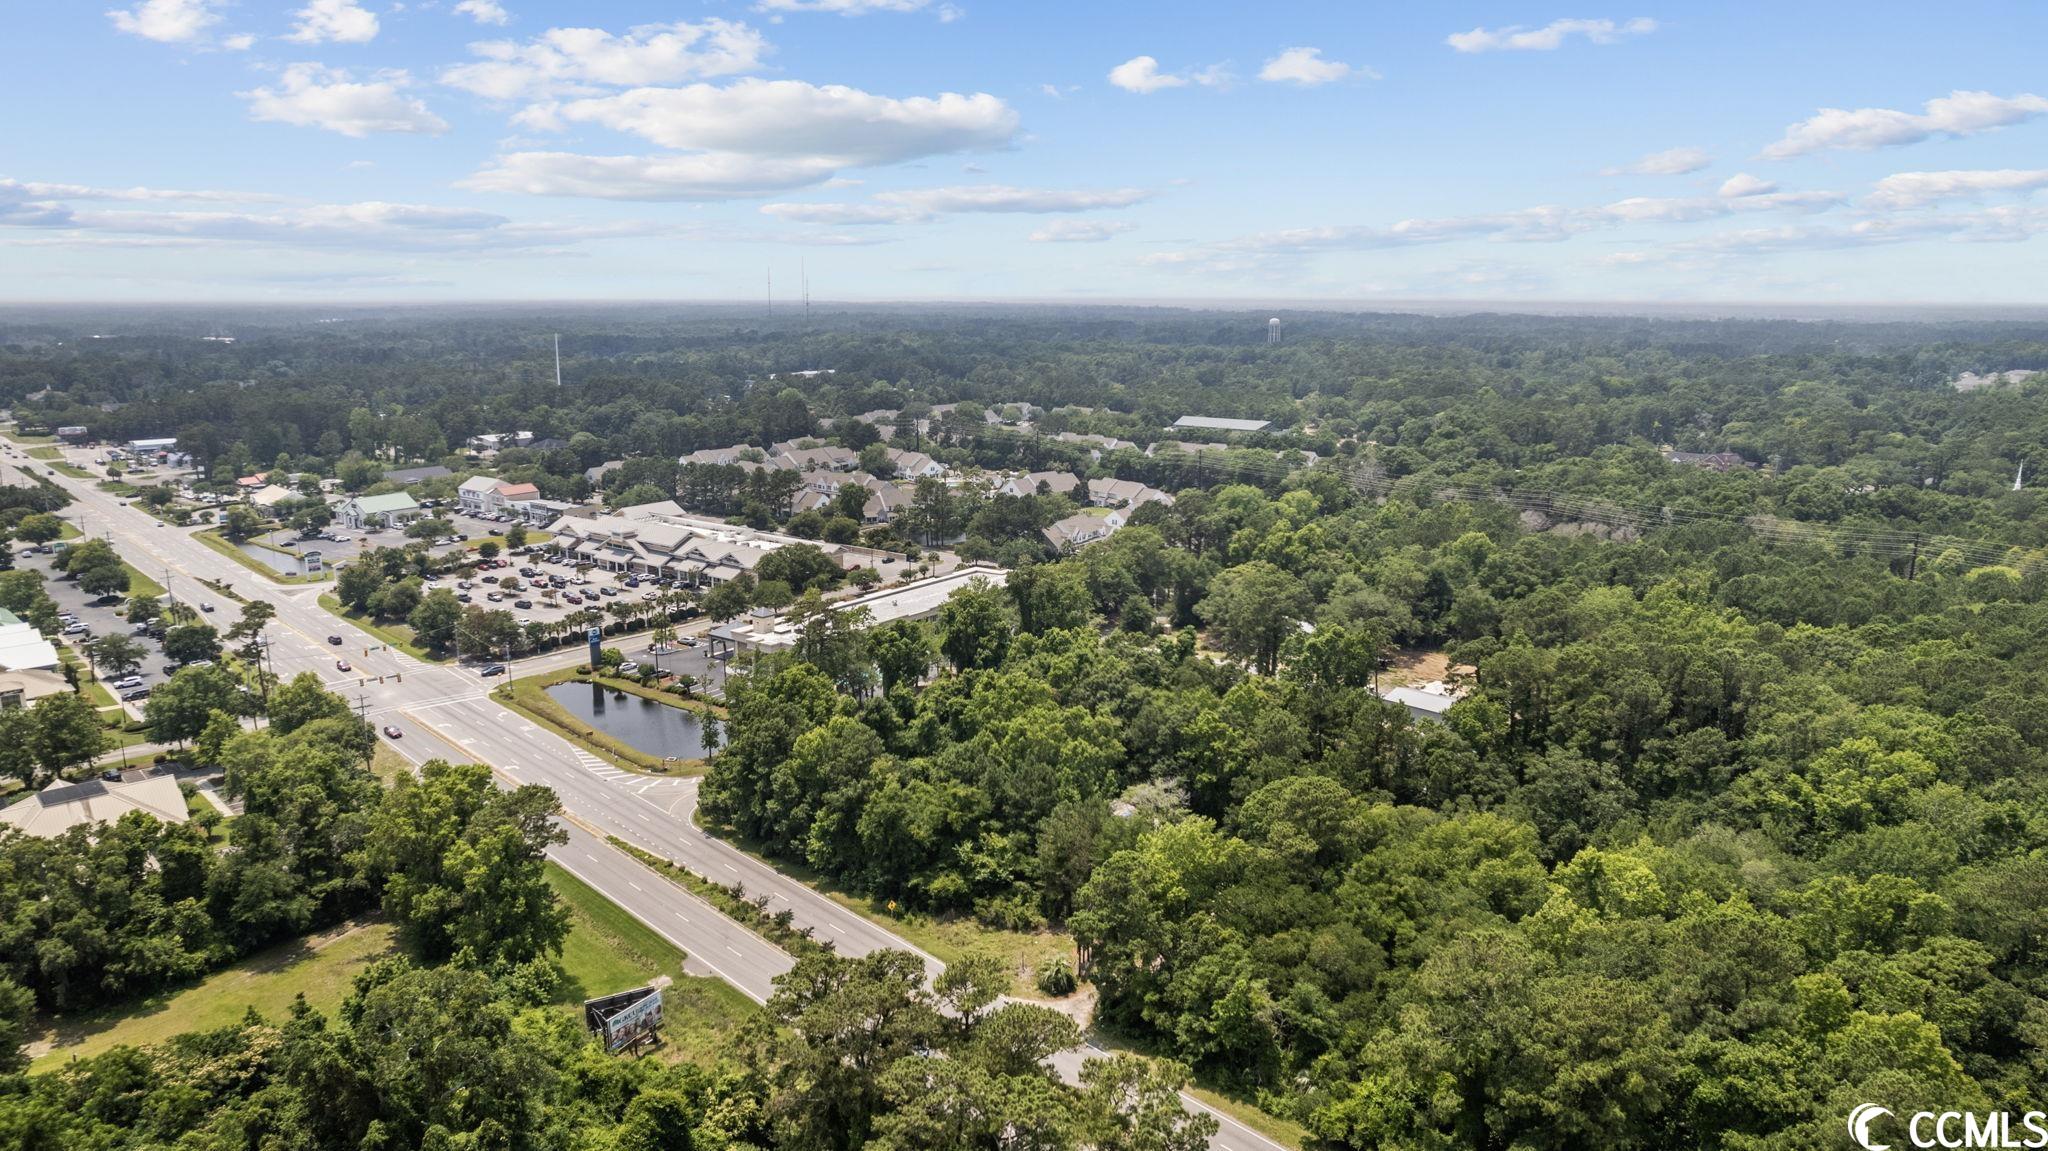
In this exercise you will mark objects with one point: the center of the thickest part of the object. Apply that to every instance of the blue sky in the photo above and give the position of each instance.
(934, 149)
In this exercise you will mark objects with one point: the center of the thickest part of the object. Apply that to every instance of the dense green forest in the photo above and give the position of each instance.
(1741, 823)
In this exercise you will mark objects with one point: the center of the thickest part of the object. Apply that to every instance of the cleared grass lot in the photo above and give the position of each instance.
(607, 950)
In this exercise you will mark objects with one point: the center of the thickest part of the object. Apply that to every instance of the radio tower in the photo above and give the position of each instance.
(558, 359)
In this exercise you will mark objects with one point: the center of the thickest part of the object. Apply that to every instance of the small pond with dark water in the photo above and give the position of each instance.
(648, 727)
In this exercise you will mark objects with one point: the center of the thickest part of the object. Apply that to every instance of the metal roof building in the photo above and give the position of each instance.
(64, 805)
(1219, 424)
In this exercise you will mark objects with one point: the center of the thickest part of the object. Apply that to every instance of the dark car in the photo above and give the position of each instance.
(522, 604)
(134, 693)
(335, 640)
(492, 669)
(391, 732)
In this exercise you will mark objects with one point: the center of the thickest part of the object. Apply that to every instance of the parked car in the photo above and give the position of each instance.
(125, 684)
(629, 668)
(495, 597)
(75, 629)
(522, 604)
(134, 693)
(608, 590)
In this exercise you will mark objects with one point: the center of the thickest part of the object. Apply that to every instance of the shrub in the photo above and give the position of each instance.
(1056, 978)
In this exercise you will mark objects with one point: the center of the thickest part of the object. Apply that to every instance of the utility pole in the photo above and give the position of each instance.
(1913, 561)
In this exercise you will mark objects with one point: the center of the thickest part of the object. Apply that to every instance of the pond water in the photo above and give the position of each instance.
(283, 563)
(648, 727)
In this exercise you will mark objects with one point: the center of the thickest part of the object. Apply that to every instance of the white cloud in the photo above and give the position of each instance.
(1918, 189)
(484, 11)
(1959, 113)
(703, 176)
(945, 12)
(1141, 74)
(240, 42)
(1549, 37)
(1548, 223)
(792, 119)
(36, 190)
(1743, 184)
(341, 21)
(922, 205)
(585, 61)
(316, 96)
(1670, 162)
(169, 21)
(1080, 231)
(1304, 66)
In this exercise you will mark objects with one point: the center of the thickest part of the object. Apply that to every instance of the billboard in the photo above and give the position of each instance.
(626, 1018)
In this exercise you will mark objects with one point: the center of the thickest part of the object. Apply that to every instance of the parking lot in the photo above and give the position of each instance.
(95, 618)
(530, 601)
(350, 547)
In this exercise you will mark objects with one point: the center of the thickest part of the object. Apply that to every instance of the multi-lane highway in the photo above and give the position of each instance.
(447, 712)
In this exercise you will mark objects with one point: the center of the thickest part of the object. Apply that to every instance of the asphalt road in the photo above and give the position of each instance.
(446, 712)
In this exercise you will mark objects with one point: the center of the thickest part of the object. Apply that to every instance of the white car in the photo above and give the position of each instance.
(629, 668)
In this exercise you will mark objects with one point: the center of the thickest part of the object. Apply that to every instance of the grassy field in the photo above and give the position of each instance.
(139, 584)
(18, 438)
(396, 634)
(322, 967)
(528, 696)
(213, 539)
(45, 453)
(386, 764)
(607, 950)
(75, 472)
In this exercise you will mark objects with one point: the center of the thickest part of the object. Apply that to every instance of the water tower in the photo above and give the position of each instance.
(1273, 330)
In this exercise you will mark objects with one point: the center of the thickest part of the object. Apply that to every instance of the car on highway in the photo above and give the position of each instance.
(492, 669)
(342, 665)
(391, 731)
(335, 640)
(206, 607)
